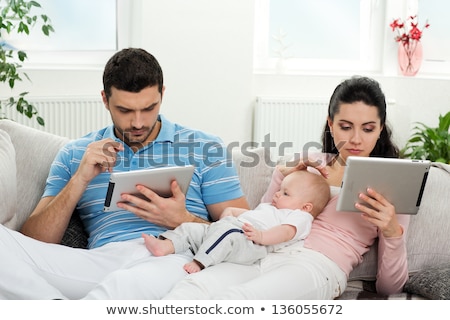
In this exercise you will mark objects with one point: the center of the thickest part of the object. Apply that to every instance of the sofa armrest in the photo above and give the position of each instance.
(35, 151)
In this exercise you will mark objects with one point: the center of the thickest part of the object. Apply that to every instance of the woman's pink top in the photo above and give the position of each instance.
(345, 236)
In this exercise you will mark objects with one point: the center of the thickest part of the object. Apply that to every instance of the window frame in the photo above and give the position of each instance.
(84, 59)
(369, 63)
(382, 46)
(429, 67)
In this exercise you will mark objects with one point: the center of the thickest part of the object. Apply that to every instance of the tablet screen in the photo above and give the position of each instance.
(157, 179)
(400, 181)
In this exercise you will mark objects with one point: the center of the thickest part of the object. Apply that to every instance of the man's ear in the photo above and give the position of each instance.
(162, 91)
(105, 100)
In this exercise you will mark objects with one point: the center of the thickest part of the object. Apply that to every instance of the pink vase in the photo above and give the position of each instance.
(410, 57)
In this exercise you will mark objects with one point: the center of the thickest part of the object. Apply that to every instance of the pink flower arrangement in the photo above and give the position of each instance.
(407, 30)
(409, 35)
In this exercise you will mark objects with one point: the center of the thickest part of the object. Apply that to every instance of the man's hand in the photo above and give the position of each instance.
(165, 212)
(100, 156)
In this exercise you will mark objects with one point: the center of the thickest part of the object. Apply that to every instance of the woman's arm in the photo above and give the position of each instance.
(392, 258)
(392, 261)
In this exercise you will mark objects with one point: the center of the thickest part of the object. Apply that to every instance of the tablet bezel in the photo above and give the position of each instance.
(157, 179)
(400, 181)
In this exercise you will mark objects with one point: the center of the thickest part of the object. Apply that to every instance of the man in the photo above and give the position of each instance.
(118, 266)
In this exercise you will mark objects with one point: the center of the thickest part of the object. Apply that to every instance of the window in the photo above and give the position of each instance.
(333, 35)
(435, 39)
(80, 25)
(86, 33)
(350, 36)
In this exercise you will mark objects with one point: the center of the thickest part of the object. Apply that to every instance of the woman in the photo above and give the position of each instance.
(356, 126)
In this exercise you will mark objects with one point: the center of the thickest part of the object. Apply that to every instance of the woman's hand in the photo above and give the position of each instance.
(303, 164)
(381, 213)
(166, 212)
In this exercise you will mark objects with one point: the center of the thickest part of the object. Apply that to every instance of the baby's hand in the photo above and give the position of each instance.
(252, 233)
(227, 212)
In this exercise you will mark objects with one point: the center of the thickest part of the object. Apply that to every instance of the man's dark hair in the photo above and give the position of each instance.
(132, 70)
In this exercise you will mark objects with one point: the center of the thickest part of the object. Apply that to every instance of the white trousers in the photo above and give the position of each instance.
(291, 273)
(30, 269)
(217, 242)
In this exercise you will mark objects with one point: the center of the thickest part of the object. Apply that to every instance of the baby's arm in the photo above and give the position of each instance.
(275, 235)
(232, 212)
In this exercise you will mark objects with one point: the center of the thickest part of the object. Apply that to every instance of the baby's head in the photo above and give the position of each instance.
(303, 190)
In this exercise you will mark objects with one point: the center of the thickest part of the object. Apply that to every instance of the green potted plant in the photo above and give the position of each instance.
(429, 143)
(16, 17)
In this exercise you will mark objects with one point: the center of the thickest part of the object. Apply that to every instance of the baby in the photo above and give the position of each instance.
(245, 236)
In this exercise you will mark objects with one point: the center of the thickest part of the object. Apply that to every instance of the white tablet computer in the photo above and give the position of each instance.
(157, 179)
(400, 181)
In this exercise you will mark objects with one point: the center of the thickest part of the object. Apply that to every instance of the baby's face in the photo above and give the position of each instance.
(290, 195)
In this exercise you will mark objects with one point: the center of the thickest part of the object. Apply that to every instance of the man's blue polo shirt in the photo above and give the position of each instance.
(214, 179)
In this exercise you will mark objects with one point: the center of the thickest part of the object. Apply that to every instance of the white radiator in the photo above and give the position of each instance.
(70, 117)
(294, 124)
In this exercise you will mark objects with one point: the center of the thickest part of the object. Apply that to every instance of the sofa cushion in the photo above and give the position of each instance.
(35, 150)
(429, 232)
(432, 283)
(8, 191)
(254, 168)
(75, 235)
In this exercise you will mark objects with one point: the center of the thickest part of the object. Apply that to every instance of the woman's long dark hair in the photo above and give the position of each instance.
(368, 91)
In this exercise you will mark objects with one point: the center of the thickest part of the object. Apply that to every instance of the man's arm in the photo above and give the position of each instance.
(51, 216)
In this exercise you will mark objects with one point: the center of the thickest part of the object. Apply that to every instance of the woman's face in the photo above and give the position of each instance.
(355, 129)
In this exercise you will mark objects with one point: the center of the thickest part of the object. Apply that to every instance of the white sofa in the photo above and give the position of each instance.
(26, 155)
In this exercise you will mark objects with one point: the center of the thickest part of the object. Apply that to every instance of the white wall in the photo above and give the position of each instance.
(409, 99)
(205, 49)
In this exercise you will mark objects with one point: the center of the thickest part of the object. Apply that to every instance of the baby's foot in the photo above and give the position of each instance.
(192, 267)
(158, 247)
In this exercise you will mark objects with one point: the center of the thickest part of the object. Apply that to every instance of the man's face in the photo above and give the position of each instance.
(134, 114)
